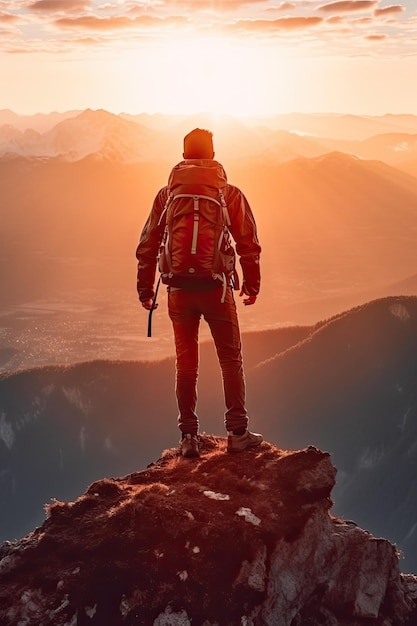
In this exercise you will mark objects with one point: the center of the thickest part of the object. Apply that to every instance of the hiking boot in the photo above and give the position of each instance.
(239, 443)
(189, 446)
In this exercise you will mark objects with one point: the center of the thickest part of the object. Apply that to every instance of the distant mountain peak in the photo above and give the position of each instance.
(96, 114)
(243, 539)
(337, 157)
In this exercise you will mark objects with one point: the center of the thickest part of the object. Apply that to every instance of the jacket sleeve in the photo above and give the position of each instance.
(244, 232)
(147, 250)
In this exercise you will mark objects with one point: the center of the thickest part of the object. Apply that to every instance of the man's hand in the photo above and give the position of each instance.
(248, 300)
(148, 304)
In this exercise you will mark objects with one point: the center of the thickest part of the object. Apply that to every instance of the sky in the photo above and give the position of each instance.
(237, 57)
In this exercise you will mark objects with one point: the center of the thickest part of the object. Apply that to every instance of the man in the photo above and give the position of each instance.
(191, 296)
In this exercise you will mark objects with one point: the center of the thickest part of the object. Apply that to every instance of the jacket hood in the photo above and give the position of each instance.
(205, 172)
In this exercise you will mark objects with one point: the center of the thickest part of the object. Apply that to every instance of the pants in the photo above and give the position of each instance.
(185, 310)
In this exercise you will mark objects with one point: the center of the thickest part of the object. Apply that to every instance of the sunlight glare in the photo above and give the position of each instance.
(212, 75)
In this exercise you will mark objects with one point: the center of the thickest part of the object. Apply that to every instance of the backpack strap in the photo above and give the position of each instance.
(223, 278)
(164, 241)
(199, 196)
(226, 215)
(196, 198)
(170, 197)
(227, 222)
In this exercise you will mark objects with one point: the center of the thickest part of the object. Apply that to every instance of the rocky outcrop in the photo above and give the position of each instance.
(242, 539)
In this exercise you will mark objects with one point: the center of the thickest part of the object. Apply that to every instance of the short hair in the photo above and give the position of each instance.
(198, 144)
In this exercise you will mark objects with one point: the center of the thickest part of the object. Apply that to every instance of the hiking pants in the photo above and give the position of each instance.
(185, 310)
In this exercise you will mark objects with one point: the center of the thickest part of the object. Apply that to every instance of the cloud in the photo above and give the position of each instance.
(291, 23)
(363, 20)
(389, 10)
(212, 5)
(347, 6)
(283, 6)
(87, 41)
(92, 22)
(59, 5)
(282, 23)
(335, 19)
(100, 22)
(376, 37)
(8, 18)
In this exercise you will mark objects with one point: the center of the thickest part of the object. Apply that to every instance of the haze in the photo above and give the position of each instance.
(335, 199)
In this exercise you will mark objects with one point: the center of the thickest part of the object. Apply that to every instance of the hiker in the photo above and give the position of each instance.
(188, 231)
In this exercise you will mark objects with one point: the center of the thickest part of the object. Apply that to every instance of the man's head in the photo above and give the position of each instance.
(198, 144)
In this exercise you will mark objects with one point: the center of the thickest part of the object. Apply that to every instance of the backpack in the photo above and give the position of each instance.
(196, 250)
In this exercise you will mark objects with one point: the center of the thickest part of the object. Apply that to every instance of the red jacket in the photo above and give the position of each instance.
(242, 229)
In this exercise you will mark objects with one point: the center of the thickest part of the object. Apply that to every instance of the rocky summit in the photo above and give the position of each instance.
(222, 540)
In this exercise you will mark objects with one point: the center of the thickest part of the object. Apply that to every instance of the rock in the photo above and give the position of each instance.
(245, 540)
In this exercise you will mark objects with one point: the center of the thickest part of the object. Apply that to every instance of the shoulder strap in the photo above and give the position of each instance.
(170, 197)
(226, 215)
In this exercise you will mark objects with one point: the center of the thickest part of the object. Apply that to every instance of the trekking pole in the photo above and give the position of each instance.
(151, 310)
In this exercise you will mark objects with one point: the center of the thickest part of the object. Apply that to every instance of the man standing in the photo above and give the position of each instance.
(203, 288)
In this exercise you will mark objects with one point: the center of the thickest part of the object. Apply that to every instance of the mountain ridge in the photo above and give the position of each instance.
(129, 138)
(346, 385)
(341, 125)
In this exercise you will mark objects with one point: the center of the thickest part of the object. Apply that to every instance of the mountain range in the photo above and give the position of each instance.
(346, 385)
(74, 135)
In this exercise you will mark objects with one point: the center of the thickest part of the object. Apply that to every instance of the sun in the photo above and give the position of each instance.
(209, 74)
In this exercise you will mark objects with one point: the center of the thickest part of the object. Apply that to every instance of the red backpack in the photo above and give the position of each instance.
(196, 250)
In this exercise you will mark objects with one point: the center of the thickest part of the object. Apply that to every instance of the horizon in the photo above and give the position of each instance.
(246, 58)
(204, 113)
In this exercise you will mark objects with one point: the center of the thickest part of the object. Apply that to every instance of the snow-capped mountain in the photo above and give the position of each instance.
(97, 133)
(40, 122)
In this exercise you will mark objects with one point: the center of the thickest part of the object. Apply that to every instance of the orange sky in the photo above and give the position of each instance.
(222, 56)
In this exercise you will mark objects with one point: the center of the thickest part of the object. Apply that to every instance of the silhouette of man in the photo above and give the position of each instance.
(189, 301)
